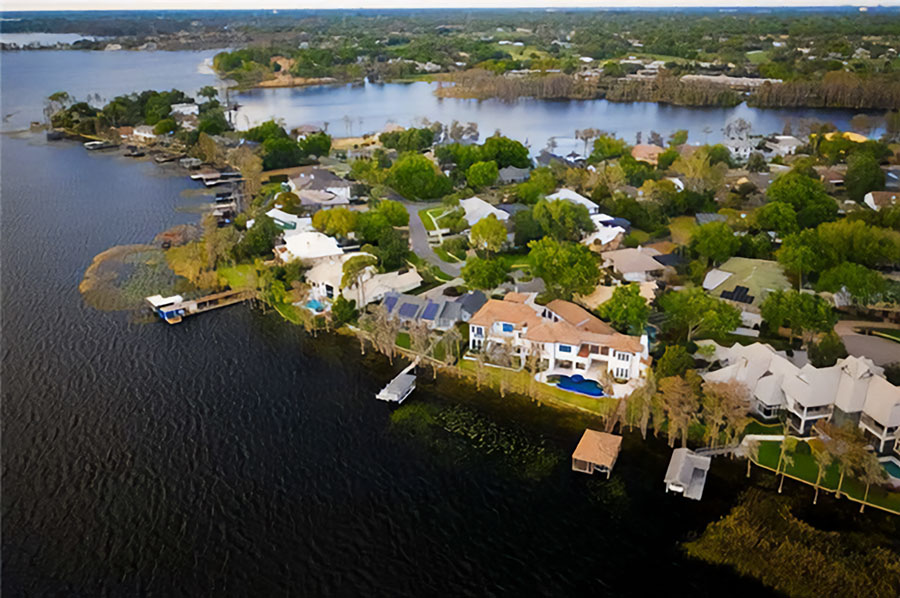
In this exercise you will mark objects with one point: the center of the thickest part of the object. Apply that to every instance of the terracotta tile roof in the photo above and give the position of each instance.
(598, 448)
(579, 317)
(516, 297)
(496, 310)
(884, 199)
(647, 152)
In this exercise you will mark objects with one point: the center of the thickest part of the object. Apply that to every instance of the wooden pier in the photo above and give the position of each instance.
(401, 386)
(174, 309)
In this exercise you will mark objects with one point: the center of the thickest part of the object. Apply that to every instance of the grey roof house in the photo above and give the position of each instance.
(686, 474)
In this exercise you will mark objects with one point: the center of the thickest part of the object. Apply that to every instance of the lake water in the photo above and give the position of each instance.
(29, 77)
(234, 455)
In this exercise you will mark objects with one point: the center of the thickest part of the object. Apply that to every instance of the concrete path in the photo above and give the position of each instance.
(418, 236)
(880, 350)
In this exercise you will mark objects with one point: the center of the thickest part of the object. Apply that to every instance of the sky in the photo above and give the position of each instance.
(10, 5)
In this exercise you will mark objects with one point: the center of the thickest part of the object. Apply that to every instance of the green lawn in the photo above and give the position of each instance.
(241, 276)
(519, 381)
(403, 340)
(757, 56)
(682, 228)
(888, 333)
(451, 259)
(515, 260)
(425, 216)
(805, 469)
(431, 215)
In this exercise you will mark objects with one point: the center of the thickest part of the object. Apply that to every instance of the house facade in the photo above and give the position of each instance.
(854, 389)
(566, 338)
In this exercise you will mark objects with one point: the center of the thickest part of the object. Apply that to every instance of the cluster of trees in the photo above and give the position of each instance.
(148, 107)
(280, 150)
(502, 151)
(375, 227)
(805, 314)
(832, 244)
(408, 140)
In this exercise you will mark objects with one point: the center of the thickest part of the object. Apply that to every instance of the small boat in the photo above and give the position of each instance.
(134, 152)
(98, 145)
(54, 135)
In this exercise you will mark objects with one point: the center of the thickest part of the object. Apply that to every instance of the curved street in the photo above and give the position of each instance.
(880, 350)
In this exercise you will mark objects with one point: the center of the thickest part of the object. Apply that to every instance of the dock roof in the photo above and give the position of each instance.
(688, 470)
(598, 448)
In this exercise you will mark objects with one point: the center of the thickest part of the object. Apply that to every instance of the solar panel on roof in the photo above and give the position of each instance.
(408, 310)
(389, 303)
(727, 295)
(430, 311)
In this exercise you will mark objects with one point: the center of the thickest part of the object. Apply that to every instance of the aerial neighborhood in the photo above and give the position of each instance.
(662, 282)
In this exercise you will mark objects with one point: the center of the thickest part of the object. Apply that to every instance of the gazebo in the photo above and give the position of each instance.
(596, 451)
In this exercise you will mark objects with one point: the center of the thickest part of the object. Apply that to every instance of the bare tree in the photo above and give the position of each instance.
(752, 454)
(420, 342)
(786, 457)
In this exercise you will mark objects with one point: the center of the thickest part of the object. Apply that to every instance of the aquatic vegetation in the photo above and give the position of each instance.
(121, 277)
(464, 432)
(763, 538)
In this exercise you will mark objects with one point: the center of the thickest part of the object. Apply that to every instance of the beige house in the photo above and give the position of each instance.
(634, 264)
(567, 339)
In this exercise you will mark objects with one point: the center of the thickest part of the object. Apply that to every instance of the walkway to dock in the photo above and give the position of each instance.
(180, 308)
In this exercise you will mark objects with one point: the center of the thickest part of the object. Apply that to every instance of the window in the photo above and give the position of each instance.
(565, 349)
(506, 327)
(329, 291)
(623, 356)
(477, 331)
(620, 373)
(604, 350)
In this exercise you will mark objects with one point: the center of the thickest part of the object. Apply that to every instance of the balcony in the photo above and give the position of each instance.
(876, 428)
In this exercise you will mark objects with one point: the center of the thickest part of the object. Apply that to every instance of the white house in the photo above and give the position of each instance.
(186, 109)
(881, 199)
(476, 209)
(144, 133)
(326, 277)
(784, 145)
(568, 339)
(308, 247)
(578, 198)
(854, 387)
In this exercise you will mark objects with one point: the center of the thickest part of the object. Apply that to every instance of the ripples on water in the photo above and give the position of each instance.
(232, 455)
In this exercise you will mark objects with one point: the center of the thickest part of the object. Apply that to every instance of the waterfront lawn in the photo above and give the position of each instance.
(240, 276)
(403, 340)
(805, 469)
(517, 381)
(758, 427)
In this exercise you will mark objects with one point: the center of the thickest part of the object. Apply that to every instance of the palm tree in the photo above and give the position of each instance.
(788, 448)
(871, 473)
(752, 453)
(823, 462)
(354, 270)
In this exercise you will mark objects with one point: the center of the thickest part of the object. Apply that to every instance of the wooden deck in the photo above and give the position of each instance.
(176, 312)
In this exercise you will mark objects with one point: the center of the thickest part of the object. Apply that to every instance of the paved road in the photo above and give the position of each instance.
(880, 350)
(419, 238)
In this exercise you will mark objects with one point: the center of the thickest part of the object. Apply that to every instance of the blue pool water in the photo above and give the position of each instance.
(315, 305)
(578, 384)
(892, 468)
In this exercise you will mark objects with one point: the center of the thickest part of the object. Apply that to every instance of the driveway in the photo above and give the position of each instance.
(418, 236)
(880, 350)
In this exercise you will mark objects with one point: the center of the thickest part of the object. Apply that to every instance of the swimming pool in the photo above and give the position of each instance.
(315, 305)
(577, 383)
(892, 468)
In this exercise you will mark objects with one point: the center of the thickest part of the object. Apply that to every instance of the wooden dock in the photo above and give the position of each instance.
(401, 386)
(174, 309)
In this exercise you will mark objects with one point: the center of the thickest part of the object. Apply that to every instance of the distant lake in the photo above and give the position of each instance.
(29, 77)
(43, 39)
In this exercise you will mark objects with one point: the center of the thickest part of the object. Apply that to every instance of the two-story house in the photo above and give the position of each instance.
(567, 339)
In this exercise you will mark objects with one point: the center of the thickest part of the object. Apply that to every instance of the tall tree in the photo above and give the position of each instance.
(626, 309)
(863, 175)
(680, 404)
(566, 268)
(488, 234)
(715, 241)
(692, 311)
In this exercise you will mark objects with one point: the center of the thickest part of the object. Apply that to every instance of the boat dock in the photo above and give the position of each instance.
(401, 386)
(175, 308)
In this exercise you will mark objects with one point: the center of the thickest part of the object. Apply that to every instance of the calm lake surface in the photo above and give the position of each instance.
(234, 455)
(29, 77)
